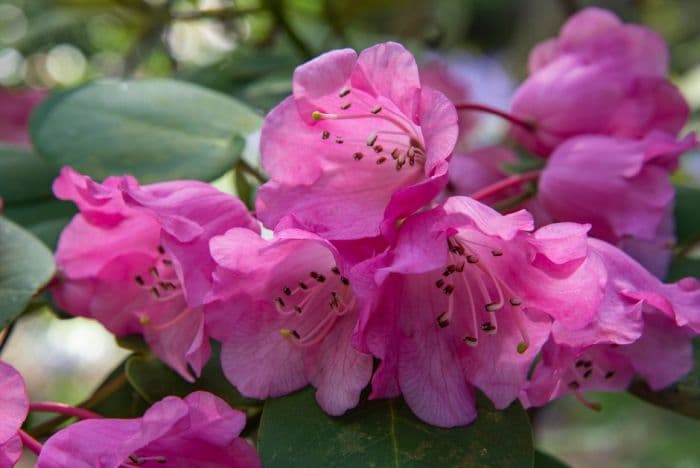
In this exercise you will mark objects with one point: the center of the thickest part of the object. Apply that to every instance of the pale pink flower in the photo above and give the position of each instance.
(360, 144)
(136, 259)
(466, 299)
(286, 313)
(14, 406)
(200, 430)
(599, 76)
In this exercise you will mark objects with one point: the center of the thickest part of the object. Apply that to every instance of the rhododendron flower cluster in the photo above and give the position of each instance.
(388, 257)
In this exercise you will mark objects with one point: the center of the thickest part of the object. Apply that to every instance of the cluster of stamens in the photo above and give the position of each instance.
(328, 295)
(583, 370)
(479, 283)
(404, 148)
(160, 280)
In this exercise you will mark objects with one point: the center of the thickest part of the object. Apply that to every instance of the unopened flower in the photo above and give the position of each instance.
(466, 299)
(199, 430)
(287, 313)
(359, 144)
(599, 76)
(15, 108)
(14, 406)
(121, 259)
(620, 186)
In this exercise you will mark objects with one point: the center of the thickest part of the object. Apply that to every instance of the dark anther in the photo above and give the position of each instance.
(279, 301)
(314, 275)
(378, 149)
(395, 153)
(588, 373)
(325, 134)
(139, 280)
(472, 259)
(573, 385)
(287, 291)
(339, 140)
(155, 292)
(443, 321)
(167, 262)
(470, 340)
(587, 364)
(381, 160)
(161, 250)
(154, 272)
(297, 309)
(303, 285)
(320, 278)
(335, 270)
(514, 301)
(344, 280)
(610, 374)
(496, 253)
(579, 363)
(449, 289)
(344, 92)
(487, 327)
(358, 156)
(460, 268)
(345, 106)
(440, 283)
(376, 109)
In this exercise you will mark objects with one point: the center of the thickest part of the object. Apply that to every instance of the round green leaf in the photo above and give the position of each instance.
(154, 129)
(295, 432)
(686, 214)
(24, 176)
(26, 265)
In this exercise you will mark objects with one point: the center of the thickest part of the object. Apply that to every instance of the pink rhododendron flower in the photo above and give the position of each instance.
(200, 430)
(294, 313)
(467, 298)
(437, 73)
(360, 144)
(474, 170)
(122, 259)
(15, 108)
(14, 405)
(642, 327)
(620, 186)
(599, 76)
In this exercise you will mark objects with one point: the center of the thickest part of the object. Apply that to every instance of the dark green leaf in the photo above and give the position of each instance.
(543, 460)
(24, 176)
(244, 189)
(45, 218)
(26, 265)
(682, 397)
(154, 129)
(294, 431)
(684, 267)
(121, 400)
(155, 380)
(687, 214)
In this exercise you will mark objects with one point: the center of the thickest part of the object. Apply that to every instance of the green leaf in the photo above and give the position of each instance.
(244, 189)
(295, 432)
(687, 214)
(682, 268)
(116, 398)
(24, 176)
(682, 397)
(154, 129)
(26, 265)
(154, 380)
(544, 460)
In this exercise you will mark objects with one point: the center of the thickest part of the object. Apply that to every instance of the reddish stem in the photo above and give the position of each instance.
(503, 184)
(62, 408)
(529, 126)
(30, 442)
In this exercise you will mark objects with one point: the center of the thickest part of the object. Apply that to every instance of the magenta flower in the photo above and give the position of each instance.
(599, 76)
(437, 73)
(293, 313)
(620, 186)
(200, 430)
(14, 406)
(642, 327)
(467, 298)
(361, 133)
(121, 259)
(474, 170)
(15, 108)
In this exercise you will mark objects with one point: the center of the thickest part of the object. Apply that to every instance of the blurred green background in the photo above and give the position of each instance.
(249, 48)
